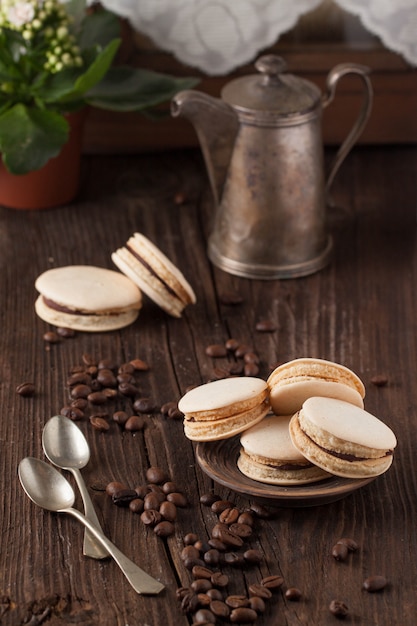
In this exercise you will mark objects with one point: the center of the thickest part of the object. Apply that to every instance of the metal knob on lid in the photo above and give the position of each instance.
(271, 66)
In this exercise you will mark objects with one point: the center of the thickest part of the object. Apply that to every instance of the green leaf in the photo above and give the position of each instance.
(129, 89)
(30, 137)
(99, 28)
(69, 85)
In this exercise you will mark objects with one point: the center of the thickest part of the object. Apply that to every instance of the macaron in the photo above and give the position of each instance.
(293, 382)
(223, 408)
(154, 274)
(87, 298)
(268, 455)
(342, 438)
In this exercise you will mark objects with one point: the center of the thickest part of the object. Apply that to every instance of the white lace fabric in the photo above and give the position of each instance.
(217, 36)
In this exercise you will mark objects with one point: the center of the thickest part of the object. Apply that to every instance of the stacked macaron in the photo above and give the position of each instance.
(224, 408)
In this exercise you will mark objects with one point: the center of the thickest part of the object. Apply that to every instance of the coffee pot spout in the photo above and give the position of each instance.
(216, 125)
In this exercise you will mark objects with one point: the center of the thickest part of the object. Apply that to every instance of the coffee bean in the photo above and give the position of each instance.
(51, 337)
(246, 518)
(234, 559)
(252, 556)
(221, 505)
(164, 529)
(134, 423)
(236, 601)
(219, 580)
(142, 491)
(79, 378)
(169, 487)
(100, 424)
(139, 365)
(209, 498)
(216, 544)
(66, 333)
(136, 505)
(168, 510)
(106, 378)
(229, 515)
(97, 398)
(156, 475)
(201, 585)
(151, 501)
(73, 413)
(236, 369)
(379, 380)
(190, 539)
(244, 615)
(80, 403)
(260, 511)
(144, 405)
(204, 600)
(230, 298)
(204, 616)
(212, 557)
(92, 370)
(216, 350)
(107, 364)
(167, 407)
(293, 594)
(375, 583)
(26, 390)
(120, 417)
(219, 609)
(110, 393)
(241, 530)
(126, 368)
(189, 600)
(257, 604)
(242, 349)
(227, 537)
(215, 594)
(260, 590)
(272, 582)
(266, 326)
(202, 546)
(351, 544)
(190, 552)
(251, 369)
(80, 391)
(88, 359)
(177, 498)
(201, 572)
(340, 552)
(338, 608)
(220, 372)
(129, 390)
(123, 497)
(114, 487)
(151, 517)
(126, 378)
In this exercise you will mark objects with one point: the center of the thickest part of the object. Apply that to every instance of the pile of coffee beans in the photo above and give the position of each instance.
(156, 501)
(242, 359)
(106, 392)
(206, 599)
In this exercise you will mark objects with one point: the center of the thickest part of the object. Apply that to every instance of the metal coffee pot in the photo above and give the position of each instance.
(263, 150)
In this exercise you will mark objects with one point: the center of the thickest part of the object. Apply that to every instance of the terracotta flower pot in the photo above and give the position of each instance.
(54, 184)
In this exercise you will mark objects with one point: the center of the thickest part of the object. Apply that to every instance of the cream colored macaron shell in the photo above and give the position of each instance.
(154, 274)
(223, 408)
(269, 456)
(341, 438)
(87, 298)
(293, 382)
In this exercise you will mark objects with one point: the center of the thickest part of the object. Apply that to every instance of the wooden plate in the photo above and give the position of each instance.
(218, 459)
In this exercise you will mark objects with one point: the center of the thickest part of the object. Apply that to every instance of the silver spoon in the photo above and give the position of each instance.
(66, 447)
(47, 488)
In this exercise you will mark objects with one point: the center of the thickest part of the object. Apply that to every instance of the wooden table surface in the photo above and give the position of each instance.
(360, 311)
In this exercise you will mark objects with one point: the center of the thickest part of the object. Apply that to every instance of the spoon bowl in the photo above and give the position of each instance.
(47, 488)
(66, 447)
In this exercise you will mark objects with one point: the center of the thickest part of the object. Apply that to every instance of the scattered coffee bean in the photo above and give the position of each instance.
(177, 498)
(129, 390)
(201, 585)
(123, 497)
(232, 344)
(120, 417)
(380, 380)
(340, 551)
(156, 475)
(236, 601)
(216, 351)
(219, 609)
(204, 616)
(144, 405)
(272, 582)
(219, 580)
(106, 378)
(80, 403)
(338, 608)
(266, 326)
(134, 423)
(97, 398)
(260, 590)
(51, 337)
(99, 423)
(243, 615)
(66, 333)
(257, 604)
(26, 390)
(293, 594)
(114, 487)
(212, 556)
(351, 544)
(168, 511)
(252, 556)
(80, 391)
(139, 365)
(230, 298)
(375, 583)
(199, 571)
(221, 505)
(136, 505)
(209, 498)
(260, 511)
(151, 517)
(164, 529)
(169, 487)
(229, 515)
(126, 368)
(215, 594)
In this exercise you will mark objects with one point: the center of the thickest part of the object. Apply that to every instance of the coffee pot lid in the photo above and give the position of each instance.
(271, 92)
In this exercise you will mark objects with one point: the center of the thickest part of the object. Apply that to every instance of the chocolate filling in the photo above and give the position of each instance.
(342, 455)
(152, 271)
(63, 309)
(291, 466)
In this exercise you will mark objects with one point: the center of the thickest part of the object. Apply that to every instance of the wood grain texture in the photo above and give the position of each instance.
(360, 311)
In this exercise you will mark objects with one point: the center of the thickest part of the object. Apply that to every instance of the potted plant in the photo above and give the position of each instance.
(56, 60)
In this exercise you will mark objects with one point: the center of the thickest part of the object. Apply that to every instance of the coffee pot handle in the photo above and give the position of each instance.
(332, 79)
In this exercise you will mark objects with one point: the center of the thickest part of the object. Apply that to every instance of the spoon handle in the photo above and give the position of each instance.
(90, 547)
(141, 581)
